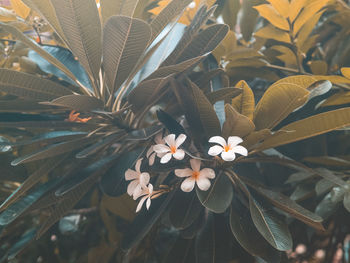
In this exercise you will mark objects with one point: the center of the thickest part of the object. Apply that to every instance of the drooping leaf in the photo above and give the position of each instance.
(117, 7)
(236, 124)
(219, 196)
(77, 102)
(272, 228)
(245, 102)
(124, 41)
(308, 127)
(248, 236)
(30, 86)
(80, 22)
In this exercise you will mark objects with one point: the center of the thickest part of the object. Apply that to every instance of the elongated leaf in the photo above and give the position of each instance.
(270, 14)
(124, 41)
(97, 146)
(245, 102)
(77, 102)
(30, 86)
(80, 22)
(281, 6)
(277, 103)
(223, 94)
(20, 245)
(45, 124)
(219, 196)
(248, 236)
(170, 123)
(53, 150)
(117, 7)
(236, 124)
(274, 230)
(272, 32)
(21, 9)
(295, 8)
(309, 127)
(172, 10)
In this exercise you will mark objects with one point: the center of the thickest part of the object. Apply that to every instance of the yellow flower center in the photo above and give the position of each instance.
(173, 149)
(195, 174)
(227, 148)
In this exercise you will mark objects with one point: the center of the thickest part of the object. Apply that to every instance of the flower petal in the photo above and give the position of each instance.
(166, 158)
(150, 189)
(148, 203)
(151, 159)
(207, 173)
(139, 206)
(196, 164)
(228, 156)
(240, 149)
(188, 184)
(138, 165)
(144, 179)
(159, 139)
(161, 148)
(183, 172)
(131, 187)
(215, 150)
(131, 175)
(203, 183)
(219, 140)
(138, 192)
(170, 139)
(179, 154)
(234, 140)
(180, 140)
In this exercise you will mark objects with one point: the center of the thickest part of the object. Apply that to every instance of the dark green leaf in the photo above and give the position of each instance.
(170, 123)
(77, 102)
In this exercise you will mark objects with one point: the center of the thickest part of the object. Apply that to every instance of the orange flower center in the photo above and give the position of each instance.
(227, 148)
(195, 174)
(172, 149)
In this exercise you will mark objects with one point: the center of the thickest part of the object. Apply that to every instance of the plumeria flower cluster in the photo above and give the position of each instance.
(168, 148)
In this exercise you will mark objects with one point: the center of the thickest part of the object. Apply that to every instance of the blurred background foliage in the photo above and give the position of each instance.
(283, 66)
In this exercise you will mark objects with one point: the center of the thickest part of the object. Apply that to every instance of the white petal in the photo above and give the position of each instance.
(195, 164)
(203, 183)
(151, 159)
(234, 140)
(144, 179)
(215, 150)
(207, 173)
(170, 139)
(131, 187)
(240, 149)
(138, 165)
(139, 206)
(180, 140)
(183, 172)
(137, 192)
(166, 158)
(188, 184)
(179, 154)
(131, 175)
(161, 148)
(219, 140)
(148, 203)
(228, 156)
(150, 189)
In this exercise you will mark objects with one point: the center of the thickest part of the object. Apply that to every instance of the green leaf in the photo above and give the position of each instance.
(30, 86)
(309, 127)
(108, 140)
(170, 123)
(80, 22)
(236, 124)
(273, 229)
(206, 241)
(124, 41)
(219, 196)
(117, 7)
(248, 236)
(77, 102)
(21, 244)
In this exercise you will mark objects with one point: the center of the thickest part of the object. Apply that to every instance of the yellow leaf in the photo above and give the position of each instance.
(345, 72)
(318, 67)
(255, 137)
(287, 56)
(245, 102)
(334, 79)
(339, 98)
(271, 32)
(271, 15)
(306, 30)
(282, 7)
(6, 15)
(21, 9)
(295, 8)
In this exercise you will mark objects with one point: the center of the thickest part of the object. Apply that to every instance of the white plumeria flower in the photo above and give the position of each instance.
(151, 154)
(170, 148)
(139, 180)
(227, 150)
(195, 176)
(146, 194)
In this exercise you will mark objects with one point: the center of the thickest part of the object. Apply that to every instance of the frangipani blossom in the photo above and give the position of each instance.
(170, 148)
(146, 194)
(139, 180)
(195, 176)
(227, 150)
(151, 154)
